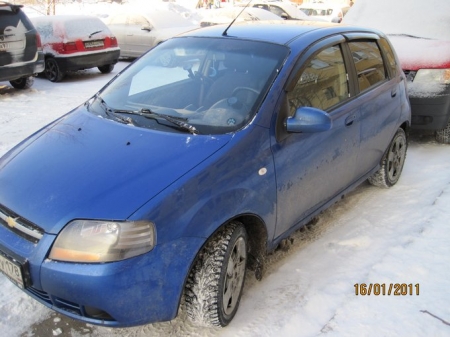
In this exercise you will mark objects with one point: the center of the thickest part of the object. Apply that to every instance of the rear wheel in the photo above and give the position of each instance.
(214, 286)
(52, 71)
(443, 136)
(23, 83)
(392, 162)
(106, 69)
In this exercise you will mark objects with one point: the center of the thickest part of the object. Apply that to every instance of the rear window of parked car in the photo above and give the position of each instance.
(50, 30)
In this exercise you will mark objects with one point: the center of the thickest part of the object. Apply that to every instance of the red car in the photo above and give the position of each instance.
(420, 34)
(76, 42)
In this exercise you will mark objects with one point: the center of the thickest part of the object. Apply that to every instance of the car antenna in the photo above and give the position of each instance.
(225, 31)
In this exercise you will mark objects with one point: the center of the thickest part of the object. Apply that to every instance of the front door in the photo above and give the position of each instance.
(313, 168)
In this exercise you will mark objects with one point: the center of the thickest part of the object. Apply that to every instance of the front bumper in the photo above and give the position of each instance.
(140, 290)
(87, 60)
(430, 112)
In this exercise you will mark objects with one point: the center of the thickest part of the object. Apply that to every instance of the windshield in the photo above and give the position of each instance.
(211, 85)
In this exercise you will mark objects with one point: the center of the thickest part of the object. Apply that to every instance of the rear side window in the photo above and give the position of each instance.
(322, 83)
(368, 62)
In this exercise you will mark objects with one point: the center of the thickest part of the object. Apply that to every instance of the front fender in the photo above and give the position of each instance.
(238, 179)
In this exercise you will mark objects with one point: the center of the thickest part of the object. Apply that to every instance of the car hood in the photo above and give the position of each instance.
(84, 166)
(420, 53)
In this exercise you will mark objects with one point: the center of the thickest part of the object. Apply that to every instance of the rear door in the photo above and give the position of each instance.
(378, 96)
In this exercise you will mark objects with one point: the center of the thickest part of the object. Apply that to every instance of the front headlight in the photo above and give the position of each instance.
(438, 76)
(95, 241)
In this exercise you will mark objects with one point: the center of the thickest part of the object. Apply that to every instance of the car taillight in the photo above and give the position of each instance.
(65, 48)
(69, 47)
(113, 41)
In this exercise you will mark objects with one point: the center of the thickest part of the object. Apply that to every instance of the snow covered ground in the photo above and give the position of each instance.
(373, 236)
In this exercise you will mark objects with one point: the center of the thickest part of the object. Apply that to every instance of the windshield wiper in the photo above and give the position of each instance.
(96, 32)
(109, 111)
(147, 113)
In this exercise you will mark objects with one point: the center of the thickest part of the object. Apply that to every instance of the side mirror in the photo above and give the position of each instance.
(146, 27)
(284, 16)
(336, 19)
(308, 120)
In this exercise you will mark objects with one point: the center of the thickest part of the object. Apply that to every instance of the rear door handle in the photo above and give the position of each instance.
(350, 119)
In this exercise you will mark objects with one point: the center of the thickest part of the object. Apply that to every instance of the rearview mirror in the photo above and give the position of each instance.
(309, 120)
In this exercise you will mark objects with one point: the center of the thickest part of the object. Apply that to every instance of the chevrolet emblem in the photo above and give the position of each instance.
(11, 222)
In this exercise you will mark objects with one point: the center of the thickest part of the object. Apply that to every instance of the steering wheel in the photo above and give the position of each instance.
(237, 89)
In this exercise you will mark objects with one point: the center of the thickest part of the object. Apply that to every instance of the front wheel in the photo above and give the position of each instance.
(392, 162)
(443, 136)
(214, 285)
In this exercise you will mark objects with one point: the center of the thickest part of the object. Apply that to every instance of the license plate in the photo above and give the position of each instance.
(11, 270)
(94, 44)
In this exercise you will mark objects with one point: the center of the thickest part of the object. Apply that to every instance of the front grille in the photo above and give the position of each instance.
(42, 295)
(69, 307)
(20, 226)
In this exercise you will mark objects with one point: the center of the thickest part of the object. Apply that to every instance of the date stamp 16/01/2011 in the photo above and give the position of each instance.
(386, 289)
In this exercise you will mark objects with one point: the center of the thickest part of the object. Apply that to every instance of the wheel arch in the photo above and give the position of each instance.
(257, 237)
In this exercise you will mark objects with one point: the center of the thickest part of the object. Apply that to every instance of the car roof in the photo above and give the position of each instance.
(279, 32)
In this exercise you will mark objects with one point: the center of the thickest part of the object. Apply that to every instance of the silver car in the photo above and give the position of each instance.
(138, 32)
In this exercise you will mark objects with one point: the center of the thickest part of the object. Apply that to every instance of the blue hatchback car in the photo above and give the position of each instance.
(193, 163)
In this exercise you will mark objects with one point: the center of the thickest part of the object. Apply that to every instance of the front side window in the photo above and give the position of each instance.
(278, 11)
(213, 85)
(322, 83)
(368, 62)
(137, 20)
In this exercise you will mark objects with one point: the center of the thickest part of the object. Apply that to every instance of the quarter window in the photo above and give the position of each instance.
(389, 55)
(369, 63)
(323, 83)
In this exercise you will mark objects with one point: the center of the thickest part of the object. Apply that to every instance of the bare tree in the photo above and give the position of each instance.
(48, 6)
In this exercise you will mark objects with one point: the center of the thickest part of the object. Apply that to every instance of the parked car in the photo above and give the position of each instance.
(170, 182)
(21, 54)
(326, 11)
(285, 10)
(422, 41)
(76, 42)
(138, 32)
(228, 14)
